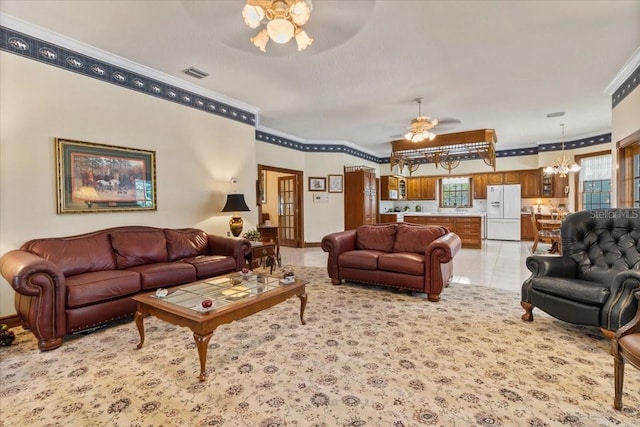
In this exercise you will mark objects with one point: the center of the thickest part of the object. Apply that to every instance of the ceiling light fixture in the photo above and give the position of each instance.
(563, 165)
(285, 19)
(421, 126)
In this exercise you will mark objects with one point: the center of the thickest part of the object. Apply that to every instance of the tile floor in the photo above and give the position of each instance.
(499, 264)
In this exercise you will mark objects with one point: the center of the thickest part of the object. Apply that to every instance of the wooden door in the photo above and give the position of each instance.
(288, 211)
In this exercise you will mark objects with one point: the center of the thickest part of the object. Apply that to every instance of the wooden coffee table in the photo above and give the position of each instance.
(233, 297)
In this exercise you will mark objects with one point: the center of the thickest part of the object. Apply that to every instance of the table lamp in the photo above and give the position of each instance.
(235, 203)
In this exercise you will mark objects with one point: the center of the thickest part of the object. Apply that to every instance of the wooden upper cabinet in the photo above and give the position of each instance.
(428, 188)
(495, 178)
(559, 185)
(479, 183)
(531, 183)
(414, 189)
(421, 188)
(512, 177)
(387, 185)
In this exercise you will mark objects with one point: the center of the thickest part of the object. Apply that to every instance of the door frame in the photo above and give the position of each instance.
(299, 232)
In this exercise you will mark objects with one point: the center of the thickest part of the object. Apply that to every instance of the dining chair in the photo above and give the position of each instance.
(626, 348)
(544, 235)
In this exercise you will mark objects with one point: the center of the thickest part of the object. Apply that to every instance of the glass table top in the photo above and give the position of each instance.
(221, 291)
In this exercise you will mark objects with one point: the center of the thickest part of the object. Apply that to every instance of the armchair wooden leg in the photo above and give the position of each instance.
(433, 297)
(336, 282)
(618, 370)
(528, 311)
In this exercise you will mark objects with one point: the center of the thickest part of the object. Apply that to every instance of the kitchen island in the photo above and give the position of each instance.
(467, 225)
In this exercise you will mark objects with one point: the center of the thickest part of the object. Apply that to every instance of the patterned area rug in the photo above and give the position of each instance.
(366, 357)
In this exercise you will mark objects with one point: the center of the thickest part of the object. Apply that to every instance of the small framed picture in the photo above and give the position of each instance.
(335, 183)
(317, 184)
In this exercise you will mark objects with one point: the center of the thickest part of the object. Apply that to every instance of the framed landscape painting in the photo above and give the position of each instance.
(103, 178)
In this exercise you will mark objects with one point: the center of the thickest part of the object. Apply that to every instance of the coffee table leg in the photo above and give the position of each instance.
(202, 342)
(139, 316)
(303, 305)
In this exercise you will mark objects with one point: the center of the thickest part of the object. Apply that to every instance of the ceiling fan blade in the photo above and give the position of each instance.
(449, 121)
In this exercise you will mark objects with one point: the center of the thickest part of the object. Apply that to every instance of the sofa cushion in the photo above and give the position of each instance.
(212, 265)
(139, 247)
(376, 237)
(416, 239)
(362, 259)
(90, 288)
(77, 255)
(402, 262)
(163, 274)
(186, 243)
(572, 289)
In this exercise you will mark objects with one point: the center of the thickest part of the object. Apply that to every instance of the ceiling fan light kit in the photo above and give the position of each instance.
(421, 126)
(284, 21)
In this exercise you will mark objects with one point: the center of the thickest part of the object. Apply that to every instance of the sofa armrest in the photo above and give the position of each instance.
(552, 266)
(335, 244)
(621, 306)
(237, 248)
(41, 298)
(440, 251)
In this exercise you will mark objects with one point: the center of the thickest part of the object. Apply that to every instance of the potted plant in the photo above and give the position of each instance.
(252, 235)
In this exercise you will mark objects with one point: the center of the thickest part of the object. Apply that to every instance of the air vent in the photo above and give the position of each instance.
(194, 72)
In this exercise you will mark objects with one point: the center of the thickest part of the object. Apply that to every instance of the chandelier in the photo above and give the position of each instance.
(284, 21)
(420, 126)
(563, 165)
(447, 151)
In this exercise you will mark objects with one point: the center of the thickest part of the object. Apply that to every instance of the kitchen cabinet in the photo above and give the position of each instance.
(468, 228)
(495, 178)
(512, 177)
(388, 188)
(527, 232)
(479, 183)
(531, 183)
(388, 218)
(415, 219)
(554, 185)
(402, 188)
(421, 188)
(360, 194)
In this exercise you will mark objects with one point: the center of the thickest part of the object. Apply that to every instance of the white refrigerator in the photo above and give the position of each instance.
(503, 212)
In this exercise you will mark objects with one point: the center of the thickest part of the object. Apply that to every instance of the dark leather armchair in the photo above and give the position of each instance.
(626, 347)
(597, 276)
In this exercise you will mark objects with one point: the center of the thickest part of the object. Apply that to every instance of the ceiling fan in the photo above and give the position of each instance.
(420, 128)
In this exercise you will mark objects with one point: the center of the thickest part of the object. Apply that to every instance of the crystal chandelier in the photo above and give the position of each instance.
(564, 164)
(421, 126)
(284, 21)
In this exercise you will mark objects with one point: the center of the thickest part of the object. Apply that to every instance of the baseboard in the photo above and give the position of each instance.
(312, 244)
(11, 321)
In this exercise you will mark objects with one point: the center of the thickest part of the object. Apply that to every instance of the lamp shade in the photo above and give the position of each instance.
(235, 203)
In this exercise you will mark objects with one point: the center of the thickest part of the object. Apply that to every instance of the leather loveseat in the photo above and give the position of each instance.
(595, 279)
(68, 284)
(401, 255)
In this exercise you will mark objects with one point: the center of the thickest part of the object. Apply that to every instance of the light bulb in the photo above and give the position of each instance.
(280, 30)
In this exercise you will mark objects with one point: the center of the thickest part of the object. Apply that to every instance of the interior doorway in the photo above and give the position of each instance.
(280, 203)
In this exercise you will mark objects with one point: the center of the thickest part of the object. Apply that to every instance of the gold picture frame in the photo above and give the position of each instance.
(94, 177)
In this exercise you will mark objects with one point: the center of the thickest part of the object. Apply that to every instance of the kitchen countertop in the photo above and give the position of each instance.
(413, 213)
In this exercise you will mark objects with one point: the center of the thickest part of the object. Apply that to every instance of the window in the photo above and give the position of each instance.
(595, 182)
(456, 192)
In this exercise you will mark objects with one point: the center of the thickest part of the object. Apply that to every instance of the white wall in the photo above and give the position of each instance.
(196, 154)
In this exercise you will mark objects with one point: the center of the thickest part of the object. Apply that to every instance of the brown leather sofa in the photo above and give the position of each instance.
(69, 284)
(402, 255)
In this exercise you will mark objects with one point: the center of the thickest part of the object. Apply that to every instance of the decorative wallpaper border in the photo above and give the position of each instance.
(48, 53)
(626, 88)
